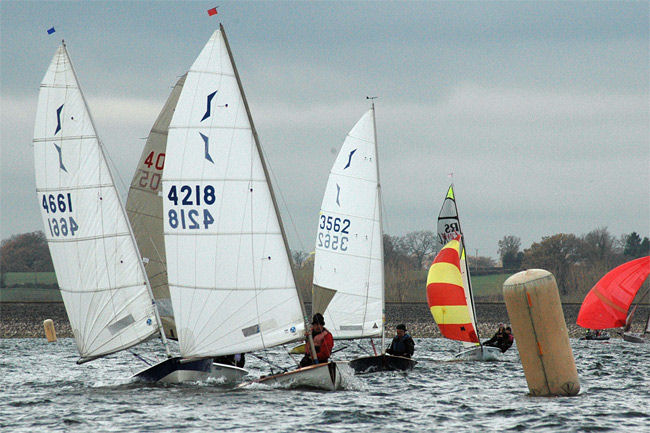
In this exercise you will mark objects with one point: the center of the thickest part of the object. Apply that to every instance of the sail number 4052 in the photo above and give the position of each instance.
(190, 195)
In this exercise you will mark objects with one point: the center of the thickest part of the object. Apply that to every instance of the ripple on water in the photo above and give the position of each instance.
(436, 396)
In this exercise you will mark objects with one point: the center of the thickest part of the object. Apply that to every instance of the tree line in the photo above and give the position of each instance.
(577, 262)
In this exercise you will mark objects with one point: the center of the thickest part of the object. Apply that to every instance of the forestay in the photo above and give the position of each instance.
(229, 271)
(448, 229)
(95, 257)
(348, 264)
(144, 208)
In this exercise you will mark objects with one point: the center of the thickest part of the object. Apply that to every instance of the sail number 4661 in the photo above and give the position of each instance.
(190, 195)
(59, 203)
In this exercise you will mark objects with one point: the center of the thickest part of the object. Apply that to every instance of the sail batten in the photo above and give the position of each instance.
(348, 284)
(103, 287)
(230, 278)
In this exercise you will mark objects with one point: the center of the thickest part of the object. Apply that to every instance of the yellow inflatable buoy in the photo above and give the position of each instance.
(50, 333)
(537, 320)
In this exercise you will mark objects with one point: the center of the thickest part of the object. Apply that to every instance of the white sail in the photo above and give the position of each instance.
(95, 258)
(448, 229)
(229, 272)
(348, 265)
(145, 208)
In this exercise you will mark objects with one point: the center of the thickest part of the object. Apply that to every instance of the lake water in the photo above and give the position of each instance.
(42, 389)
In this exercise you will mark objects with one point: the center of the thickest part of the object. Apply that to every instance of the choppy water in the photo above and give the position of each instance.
(42, 389)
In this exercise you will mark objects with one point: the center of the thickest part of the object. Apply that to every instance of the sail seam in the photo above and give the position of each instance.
(67, 138)
(89, 238)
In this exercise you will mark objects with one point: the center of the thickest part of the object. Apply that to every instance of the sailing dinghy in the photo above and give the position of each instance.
(144, 209)
(607, 305)
(102, 280)
(228, 263)
(348, 284)
(449, 290)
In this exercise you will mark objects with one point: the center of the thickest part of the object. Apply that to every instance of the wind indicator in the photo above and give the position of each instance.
(213, 11)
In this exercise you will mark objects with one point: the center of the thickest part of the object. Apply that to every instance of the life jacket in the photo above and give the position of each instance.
(323, 343)
(398, 346)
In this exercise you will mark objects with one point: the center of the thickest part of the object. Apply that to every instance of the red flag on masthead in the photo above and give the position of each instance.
(212, 11)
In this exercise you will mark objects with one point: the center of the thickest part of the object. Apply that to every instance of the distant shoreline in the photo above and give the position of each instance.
(25, 319)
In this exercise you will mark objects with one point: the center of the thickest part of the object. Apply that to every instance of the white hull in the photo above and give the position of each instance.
(480, 353)
(226, 374)
(320, 376)
(176, 370)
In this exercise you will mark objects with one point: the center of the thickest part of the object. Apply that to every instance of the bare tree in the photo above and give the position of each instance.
(421, 245)
(299, 258)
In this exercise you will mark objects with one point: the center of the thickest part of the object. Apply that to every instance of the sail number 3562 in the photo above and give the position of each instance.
(190, 195)
(336, 240)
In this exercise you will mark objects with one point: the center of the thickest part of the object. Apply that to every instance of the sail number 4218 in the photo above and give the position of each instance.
(190, 195)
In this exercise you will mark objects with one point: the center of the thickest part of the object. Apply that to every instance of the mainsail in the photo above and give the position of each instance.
(348, 265)
(95, 257)
(446, 295)
(144, 208)
(229, 271)
(607, 303)
(449, 229)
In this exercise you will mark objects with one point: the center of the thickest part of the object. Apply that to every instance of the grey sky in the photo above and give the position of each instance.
(541, 110)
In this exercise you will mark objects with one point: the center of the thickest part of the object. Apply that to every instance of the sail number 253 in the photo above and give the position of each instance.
(190, 195)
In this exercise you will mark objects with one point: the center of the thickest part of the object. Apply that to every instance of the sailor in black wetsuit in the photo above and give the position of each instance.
(402, 344)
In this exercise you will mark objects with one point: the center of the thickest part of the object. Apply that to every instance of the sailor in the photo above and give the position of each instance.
(323, 342)
(497, 338)
(237, 360)
(507, 341)
(402, 344)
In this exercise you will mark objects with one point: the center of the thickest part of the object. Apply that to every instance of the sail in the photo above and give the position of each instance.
(229, 271)
(95, 257)
(448, 229)
(144, 208)
(348, 264)
(446, 295)
(607, 303)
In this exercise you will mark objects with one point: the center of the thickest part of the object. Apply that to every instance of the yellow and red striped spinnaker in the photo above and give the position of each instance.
(446, 296)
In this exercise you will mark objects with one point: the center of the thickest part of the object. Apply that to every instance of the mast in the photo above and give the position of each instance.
(381, 231)
(122, 209)
(268, 180)
(469, 279)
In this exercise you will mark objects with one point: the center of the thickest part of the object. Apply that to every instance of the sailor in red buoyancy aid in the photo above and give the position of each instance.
(323, 342)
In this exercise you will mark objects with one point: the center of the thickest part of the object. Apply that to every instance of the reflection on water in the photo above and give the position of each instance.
(43, 389)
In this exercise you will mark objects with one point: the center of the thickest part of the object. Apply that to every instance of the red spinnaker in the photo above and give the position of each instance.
(607, 303)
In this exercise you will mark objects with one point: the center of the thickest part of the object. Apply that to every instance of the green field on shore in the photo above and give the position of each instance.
(41, 287)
